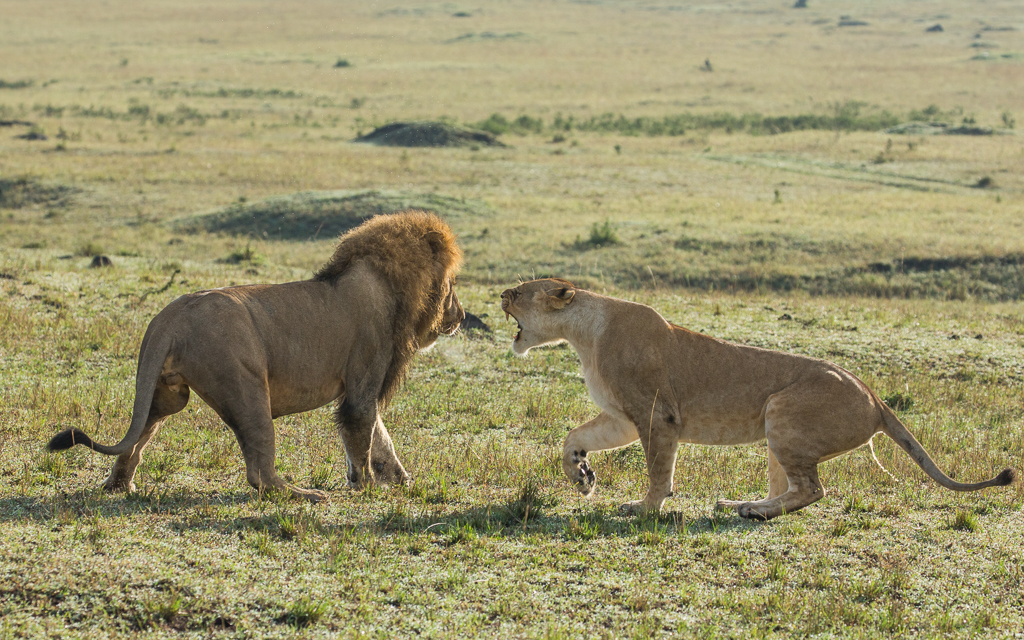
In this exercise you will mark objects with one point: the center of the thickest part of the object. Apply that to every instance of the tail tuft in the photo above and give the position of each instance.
(1006, 477)
(67, 439)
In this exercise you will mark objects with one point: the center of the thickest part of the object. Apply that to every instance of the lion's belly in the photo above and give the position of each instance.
(287, 397)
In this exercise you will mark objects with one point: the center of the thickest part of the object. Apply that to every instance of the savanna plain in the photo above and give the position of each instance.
(840, 180)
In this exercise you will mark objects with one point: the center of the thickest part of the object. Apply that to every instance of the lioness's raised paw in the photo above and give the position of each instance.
(579, 471)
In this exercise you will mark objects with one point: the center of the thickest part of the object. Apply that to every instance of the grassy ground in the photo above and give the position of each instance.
(896, 256)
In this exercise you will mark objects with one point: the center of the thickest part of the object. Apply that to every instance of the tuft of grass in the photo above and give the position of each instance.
(529, 503)
(582, 529)
(459, 533)
(303, 613)
(248, 255)
(965, 521)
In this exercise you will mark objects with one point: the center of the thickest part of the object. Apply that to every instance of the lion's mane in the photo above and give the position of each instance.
(415, 253)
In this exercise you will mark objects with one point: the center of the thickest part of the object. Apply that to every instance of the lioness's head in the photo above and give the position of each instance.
(536, 306)
(449, 319)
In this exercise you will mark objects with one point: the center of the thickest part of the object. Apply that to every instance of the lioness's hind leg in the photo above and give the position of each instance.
(804, 488)
(778, 483)
(167, 401)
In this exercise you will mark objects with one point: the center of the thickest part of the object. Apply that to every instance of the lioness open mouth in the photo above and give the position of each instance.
(519, 327)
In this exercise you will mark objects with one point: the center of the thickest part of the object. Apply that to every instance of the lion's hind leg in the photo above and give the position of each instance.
(170, 397)
(247, 413)
(600, 434)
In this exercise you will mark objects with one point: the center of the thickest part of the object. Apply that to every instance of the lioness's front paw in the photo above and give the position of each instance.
(119, 486)
(580, 473)
(635, 508)
(313, 495)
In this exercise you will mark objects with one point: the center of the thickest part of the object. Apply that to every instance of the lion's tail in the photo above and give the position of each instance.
(898, 432)
(151, 362)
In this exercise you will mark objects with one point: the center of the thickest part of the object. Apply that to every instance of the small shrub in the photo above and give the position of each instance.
(603, 234)
(899, 401)
(16, 84)
(89, 249)
(321, 477)
(650, 536)
(262, 543)
(342, 63)
(856, 504)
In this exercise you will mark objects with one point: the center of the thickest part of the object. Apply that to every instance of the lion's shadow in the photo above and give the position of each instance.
(509, 519)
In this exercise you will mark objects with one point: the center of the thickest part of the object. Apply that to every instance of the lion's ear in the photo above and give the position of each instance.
(438, 243)
(558, 298)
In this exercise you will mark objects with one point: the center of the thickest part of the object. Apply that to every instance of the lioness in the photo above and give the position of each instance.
(665, 384)
(256, 352)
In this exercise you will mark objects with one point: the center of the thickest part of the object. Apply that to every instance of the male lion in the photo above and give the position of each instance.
(665, 384)
(256, 352)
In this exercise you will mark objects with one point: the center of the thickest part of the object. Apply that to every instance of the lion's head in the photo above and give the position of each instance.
(416, 254)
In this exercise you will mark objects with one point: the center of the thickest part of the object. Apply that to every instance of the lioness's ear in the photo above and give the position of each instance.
(558, 298)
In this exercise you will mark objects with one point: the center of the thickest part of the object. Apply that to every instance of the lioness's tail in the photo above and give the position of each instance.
(151, 360)
(898, 432)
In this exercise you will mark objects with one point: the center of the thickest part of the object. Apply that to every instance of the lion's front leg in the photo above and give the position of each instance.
(602, 433)
(387, 468)
(356, 422)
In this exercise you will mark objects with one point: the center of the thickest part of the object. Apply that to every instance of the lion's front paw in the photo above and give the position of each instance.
(580, 473)
(357, 480)
(392, 474)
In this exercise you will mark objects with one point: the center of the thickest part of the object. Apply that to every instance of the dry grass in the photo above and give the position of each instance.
(157, 112)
